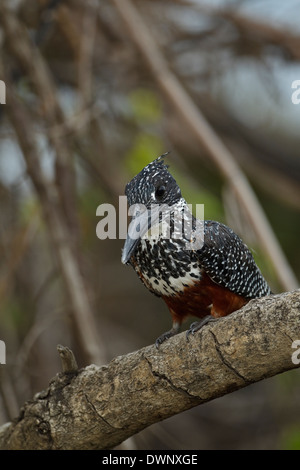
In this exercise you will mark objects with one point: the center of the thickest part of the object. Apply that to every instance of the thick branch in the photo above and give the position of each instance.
(99, 407)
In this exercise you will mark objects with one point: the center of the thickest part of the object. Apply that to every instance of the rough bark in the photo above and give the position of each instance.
(99, 407)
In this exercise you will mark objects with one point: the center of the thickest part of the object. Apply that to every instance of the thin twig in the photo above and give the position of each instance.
(85, 60)
(19, 244)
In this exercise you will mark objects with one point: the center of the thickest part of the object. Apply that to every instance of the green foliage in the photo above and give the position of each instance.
(88, 201)
(145, 106)
(29, 208)
(289, 383)
(291, 438)
(195, 194)
(145, 149)
(146, 112)
(12, 314)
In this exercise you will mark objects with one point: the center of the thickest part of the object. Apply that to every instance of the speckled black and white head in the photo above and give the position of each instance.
(153, 185)
(150, 195)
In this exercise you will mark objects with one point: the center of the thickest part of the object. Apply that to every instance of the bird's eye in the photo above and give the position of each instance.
(160, 191)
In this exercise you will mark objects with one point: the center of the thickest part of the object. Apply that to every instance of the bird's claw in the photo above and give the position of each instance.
(192, 329)
(168, 334)
(197, 325)
(163, 338)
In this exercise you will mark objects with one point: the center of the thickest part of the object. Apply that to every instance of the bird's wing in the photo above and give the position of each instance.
(229, 262)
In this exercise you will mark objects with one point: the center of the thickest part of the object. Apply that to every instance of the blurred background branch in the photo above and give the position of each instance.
(89, 102)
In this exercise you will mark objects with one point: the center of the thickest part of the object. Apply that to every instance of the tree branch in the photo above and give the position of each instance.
(99, 407)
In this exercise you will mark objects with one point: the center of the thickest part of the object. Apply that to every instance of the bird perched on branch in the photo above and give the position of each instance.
(198, 267)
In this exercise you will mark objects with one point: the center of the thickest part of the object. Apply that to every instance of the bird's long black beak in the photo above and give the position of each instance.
(142, 220)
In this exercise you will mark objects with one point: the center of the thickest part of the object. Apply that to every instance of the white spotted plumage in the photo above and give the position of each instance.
(167, 267)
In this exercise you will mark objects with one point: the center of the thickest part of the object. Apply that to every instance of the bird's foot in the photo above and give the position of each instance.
(197, 325)
(168, 334)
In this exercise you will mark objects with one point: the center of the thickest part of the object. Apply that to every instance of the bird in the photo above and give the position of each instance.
(200, 268)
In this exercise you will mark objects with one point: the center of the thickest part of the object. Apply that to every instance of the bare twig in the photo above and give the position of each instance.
(85, 60)
(18, 246)
(252, 27)
(263, 31)
(68, 361)
(198, 125)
